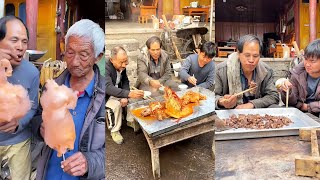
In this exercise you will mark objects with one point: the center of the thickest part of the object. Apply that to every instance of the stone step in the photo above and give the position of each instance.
(128, 44)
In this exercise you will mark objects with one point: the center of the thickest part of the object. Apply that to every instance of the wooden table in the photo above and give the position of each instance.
(225, 51)
(193, 129)
(196, 11)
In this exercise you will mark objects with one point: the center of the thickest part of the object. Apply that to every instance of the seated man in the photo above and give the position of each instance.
(303, 86)
(241, 71)
(84, 47)
(198, 69)
(154, 68)
(118, 91)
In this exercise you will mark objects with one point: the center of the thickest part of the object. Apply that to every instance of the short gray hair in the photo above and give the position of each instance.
(116, 50)
(249, 38)
(89, 29)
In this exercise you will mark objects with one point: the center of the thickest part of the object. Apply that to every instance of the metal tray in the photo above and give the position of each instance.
(155, 128)
(300, 120)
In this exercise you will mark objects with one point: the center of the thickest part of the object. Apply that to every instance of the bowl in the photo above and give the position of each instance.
(183, 86)
(146, 94)
(161, 88)
(35, 55)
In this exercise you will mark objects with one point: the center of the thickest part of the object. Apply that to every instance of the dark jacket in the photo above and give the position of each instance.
(92, 137)
(123, 89)
(298, 93)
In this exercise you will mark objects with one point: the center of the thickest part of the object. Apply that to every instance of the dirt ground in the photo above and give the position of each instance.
(188, 159)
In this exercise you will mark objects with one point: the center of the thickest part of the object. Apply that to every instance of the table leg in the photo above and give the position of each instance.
(213, 148)
(155, 163)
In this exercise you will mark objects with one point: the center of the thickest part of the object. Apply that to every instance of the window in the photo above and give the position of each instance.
(10, 10)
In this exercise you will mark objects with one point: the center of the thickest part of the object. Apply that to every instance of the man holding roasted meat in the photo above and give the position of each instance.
(242, 71)
(303, 86)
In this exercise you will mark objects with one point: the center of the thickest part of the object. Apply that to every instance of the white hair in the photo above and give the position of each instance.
(89, 29)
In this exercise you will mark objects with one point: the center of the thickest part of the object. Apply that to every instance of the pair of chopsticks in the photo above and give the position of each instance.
(240, 93)
(148, 97)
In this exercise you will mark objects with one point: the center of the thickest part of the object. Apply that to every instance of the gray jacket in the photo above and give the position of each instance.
(92, 137)
(144, 67)
(266, 93)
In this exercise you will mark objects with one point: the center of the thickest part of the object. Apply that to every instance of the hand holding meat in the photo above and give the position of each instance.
(14, 100)
(283, 84)
(155, 84)
(58, 125)
(228, 101)
(136, 94)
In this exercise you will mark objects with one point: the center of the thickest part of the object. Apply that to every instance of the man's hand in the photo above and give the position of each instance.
(124, 102)
(285, 85)
(7, 54)
(9, 127)
(75, 165)
(245, 106)
(136, 94)
(192, 80)
(155, 84)
(304, 107)
(228, 101)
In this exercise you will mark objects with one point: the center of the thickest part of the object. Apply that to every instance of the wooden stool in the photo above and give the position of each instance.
(142, 19)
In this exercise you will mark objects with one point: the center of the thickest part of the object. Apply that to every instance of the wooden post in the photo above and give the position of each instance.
(32, 18)
(61, 8)
(160, 8)
(297, 21)
(176, 7)
(313, 22)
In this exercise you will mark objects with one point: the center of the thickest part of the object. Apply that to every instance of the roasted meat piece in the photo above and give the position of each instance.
(174, 105)
(192, 97)
(256, 121)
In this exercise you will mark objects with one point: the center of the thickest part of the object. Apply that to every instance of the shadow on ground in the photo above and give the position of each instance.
(188, 159)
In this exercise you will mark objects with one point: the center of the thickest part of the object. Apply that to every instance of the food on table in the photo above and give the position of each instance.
(256, 121)
(173, 106)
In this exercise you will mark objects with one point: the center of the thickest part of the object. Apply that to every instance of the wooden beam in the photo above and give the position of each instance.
(307, 166)
(32, 19)
(314, 143)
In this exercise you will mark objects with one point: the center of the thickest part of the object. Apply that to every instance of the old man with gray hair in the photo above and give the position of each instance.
(84, 47)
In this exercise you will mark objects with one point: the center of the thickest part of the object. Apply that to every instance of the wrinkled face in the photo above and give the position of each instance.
(16, 40)
(79, 56)
(203, 59)
(155, 50)
(312, 66)
(120, 61)
(250, 56)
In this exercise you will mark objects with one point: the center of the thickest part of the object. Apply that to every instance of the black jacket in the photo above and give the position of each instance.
(123, 90)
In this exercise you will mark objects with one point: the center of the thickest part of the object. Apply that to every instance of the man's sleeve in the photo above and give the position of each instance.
(185, 69)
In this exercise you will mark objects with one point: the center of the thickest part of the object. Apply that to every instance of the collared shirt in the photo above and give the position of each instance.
(54, 170)
(245, 85)
(118, 78)
(155, 68)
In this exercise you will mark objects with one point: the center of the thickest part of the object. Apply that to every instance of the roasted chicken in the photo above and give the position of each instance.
(173, 106)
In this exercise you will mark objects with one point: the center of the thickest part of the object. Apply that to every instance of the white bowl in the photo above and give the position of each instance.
(183, 86)
(146, 94)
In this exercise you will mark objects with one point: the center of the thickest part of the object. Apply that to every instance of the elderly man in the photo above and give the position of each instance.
(198, 69)
(118, 92)
(154, 68)
(84, 47)
(303, 86)
(15, 135)
(243, 70)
